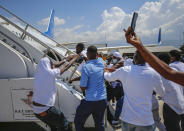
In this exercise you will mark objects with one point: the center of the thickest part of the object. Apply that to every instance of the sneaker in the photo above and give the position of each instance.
(114, 122)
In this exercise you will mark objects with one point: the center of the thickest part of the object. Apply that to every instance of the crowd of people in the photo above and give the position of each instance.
(133, 84)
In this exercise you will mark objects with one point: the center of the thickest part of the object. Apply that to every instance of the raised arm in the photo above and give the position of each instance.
(69, 64)
(154, 62)
(119, 64)
(75, 79)
(57, 65)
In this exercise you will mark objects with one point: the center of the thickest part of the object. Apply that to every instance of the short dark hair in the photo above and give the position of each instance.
(176, 54)
(92, 49)
(81, 46)
(165, 57)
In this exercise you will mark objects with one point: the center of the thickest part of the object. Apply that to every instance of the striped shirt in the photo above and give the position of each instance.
(92, 78)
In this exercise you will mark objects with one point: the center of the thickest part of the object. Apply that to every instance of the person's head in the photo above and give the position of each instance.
(124, 56)
(175, 55)
(116, 57)
(47, 57)
(79, 48)
(138, 59)
(165, 57)
(109, 59)
(44, 64)
(100, 55)
(92, 52)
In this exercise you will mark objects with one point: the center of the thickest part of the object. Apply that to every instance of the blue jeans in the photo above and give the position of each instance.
(131, 127)
(119, 106)
(85, 109)
(55, 119)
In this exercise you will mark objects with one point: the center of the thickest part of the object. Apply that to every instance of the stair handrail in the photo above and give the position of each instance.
(24, 33)
(29, 56)
(27, 24)
(33, 37)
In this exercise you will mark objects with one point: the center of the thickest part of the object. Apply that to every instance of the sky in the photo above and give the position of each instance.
(102, 21)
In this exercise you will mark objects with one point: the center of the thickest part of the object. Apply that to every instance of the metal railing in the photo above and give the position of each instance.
(24, 49)
(36, 36)
(52, 43)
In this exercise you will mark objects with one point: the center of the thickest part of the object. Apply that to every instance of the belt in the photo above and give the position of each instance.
(38, 104)
(41, 114)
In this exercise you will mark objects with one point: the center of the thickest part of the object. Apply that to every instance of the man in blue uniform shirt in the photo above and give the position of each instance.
(92, 81)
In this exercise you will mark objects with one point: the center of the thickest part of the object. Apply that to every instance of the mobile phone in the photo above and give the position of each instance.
(133, 23)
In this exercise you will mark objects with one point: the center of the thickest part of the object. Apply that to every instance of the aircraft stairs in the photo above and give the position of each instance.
(28, 44)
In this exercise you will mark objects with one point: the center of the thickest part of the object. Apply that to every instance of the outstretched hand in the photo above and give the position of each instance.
(133, 40)
(109, 69)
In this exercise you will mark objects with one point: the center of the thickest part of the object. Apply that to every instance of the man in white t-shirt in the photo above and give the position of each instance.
(139, 81)
(44, 93)
(175, 60)
(80, 49)
(173, 108)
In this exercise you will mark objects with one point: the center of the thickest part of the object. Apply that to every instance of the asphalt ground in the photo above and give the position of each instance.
(24, 126)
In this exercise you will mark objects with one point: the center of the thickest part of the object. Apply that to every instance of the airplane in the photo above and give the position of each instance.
(48, 33)
(121, 47)
(105, 48)
(71, 45)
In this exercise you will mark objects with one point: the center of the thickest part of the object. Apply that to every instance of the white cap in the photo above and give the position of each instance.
(117, 54)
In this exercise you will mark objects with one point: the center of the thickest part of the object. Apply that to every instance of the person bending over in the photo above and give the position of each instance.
(44, 93)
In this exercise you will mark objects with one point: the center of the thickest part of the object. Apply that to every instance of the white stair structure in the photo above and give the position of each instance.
(21, 47)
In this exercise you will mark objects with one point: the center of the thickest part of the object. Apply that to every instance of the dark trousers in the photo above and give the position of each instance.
(54, 119)
(85, 109)
(172, 119)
